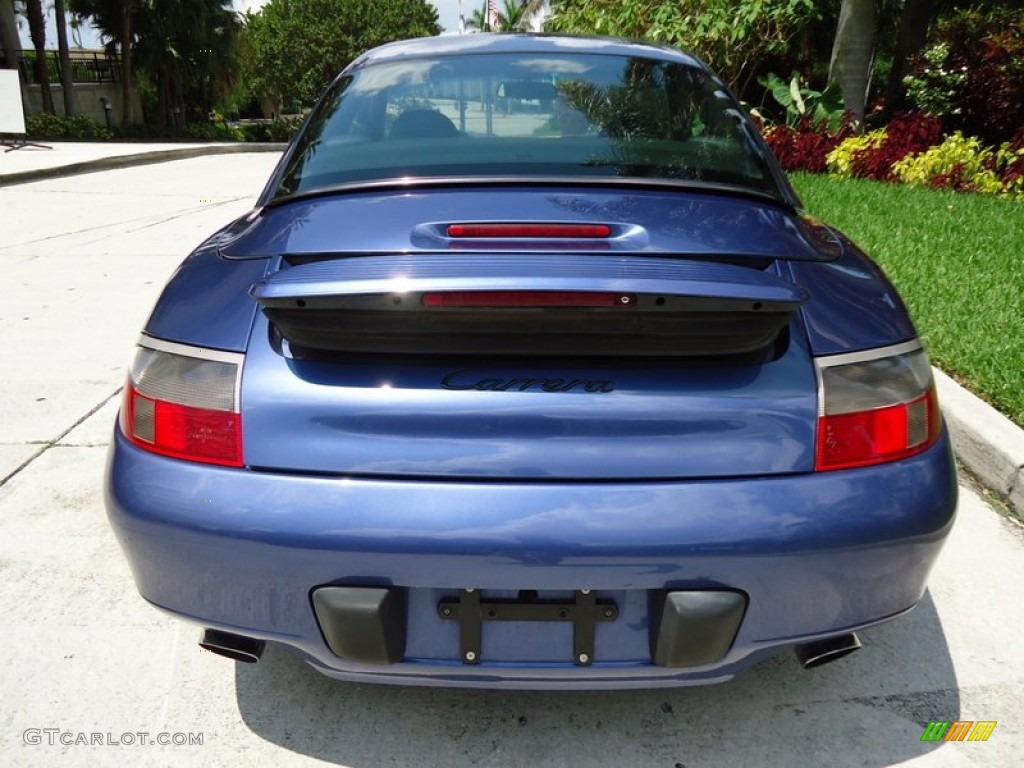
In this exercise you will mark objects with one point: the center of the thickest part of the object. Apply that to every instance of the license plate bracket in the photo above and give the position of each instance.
(471, 611)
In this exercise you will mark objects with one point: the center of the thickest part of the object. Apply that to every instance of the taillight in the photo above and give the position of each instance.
(875, 406)
(182, 401)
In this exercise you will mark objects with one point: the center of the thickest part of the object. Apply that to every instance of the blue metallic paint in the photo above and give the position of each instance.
(206, 303)
(526, 271)
(683, 222)
(394, 419)
(816, 554)
(854, 306)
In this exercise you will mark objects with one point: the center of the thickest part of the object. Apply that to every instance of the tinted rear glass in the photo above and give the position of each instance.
(546, 115)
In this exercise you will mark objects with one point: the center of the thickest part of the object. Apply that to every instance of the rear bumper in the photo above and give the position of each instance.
(814, 555)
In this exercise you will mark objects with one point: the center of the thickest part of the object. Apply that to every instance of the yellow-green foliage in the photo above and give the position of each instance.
(964, 163)
(1014, 187)
(1011, 185)
(840, 160)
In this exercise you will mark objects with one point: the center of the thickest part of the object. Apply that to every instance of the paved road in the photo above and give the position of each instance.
(82, 260)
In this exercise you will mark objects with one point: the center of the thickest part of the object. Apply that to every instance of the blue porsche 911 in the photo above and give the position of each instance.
(529, 369)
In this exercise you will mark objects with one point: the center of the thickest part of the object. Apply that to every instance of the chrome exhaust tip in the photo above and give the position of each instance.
(236, 647)
(811, 655)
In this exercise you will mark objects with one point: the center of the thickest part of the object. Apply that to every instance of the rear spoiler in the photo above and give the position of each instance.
(528, 304)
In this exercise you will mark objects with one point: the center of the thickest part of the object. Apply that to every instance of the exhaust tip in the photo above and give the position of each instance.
(235, 647)
(825, 651)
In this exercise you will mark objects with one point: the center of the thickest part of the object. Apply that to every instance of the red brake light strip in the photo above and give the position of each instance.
(528, 299)
(529, 230)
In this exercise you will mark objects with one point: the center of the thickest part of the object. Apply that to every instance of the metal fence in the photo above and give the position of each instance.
(86, 67)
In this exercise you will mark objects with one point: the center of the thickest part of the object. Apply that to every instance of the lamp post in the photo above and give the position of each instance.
(107, 109)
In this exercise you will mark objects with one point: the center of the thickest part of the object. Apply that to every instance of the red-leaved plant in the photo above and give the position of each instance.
(904, 135)
(804, 147)
(1013, 173)
(987, 44)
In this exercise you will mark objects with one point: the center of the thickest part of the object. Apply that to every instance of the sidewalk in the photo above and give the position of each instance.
(989, 445)
(53, 159)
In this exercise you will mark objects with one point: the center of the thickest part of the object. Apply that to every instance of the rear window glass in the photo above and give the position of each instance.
(537, 115)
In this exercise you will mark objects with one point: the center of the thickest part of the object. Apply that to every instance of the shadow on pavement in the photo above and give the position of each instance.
(869, 709)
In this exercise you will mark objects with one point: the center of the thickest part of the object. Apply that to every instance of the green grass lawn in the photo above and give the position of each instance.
(958, 261)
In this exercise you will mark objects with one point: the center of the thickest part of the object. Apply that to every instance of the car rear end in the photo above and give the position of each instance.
(530, 413)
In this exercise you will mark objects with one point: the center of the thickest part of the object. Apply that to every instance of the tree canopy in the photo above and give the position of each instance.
(510, 19)
(184, 47)
(730, 35)
(295, 48)
(188, 50)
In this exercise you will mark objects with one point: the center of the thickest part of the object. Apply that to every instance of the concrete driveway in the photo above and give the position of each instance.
(95, 677)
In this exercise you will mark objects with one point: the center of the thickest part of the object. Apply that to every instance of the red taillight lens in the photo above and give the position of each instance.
(529, 230)
(875, 409)
(872, 437)
(528, 299)
(182, 404)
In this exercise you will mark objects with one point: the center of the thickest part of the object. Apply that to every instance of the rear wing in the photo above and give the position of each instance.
(528, 304)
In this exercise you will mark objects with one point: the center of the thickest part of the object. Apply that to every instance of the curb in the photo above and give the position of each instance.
(988, 444)
(137, 158)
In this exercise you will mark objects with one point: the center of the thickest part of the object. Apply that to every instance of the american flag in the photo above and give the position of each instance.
(493, 15)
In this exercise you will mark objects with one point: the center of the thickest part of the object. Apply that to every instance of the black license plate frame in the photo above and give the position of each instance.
(471, 610)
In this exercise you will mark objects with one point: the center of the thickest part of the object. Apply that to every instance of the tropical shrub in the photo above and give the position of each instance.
(73, 128)
(839, 161)
(805, 146)
(934, 89)
(148, 132)
(986, 45)
(271, 130)
(964, 164)
(1013, 173)
(216, 129)
(801, 102)
(873, 155)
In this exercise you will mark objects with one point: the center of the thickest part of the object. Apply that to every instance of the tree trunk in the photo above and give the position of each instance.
(162, 100)
(852, 53)
(67, 80)
(912, 36)
(9, 35)
(37, 30)
(128, 116)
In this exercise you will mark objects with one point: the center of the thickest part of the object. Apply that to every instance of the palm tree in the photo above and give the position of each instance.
(126, 17)
(531, 8)
(37, 31)
(115, 19)
(510, 18)
(67, 81)
(188, 48)
(852, 54)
